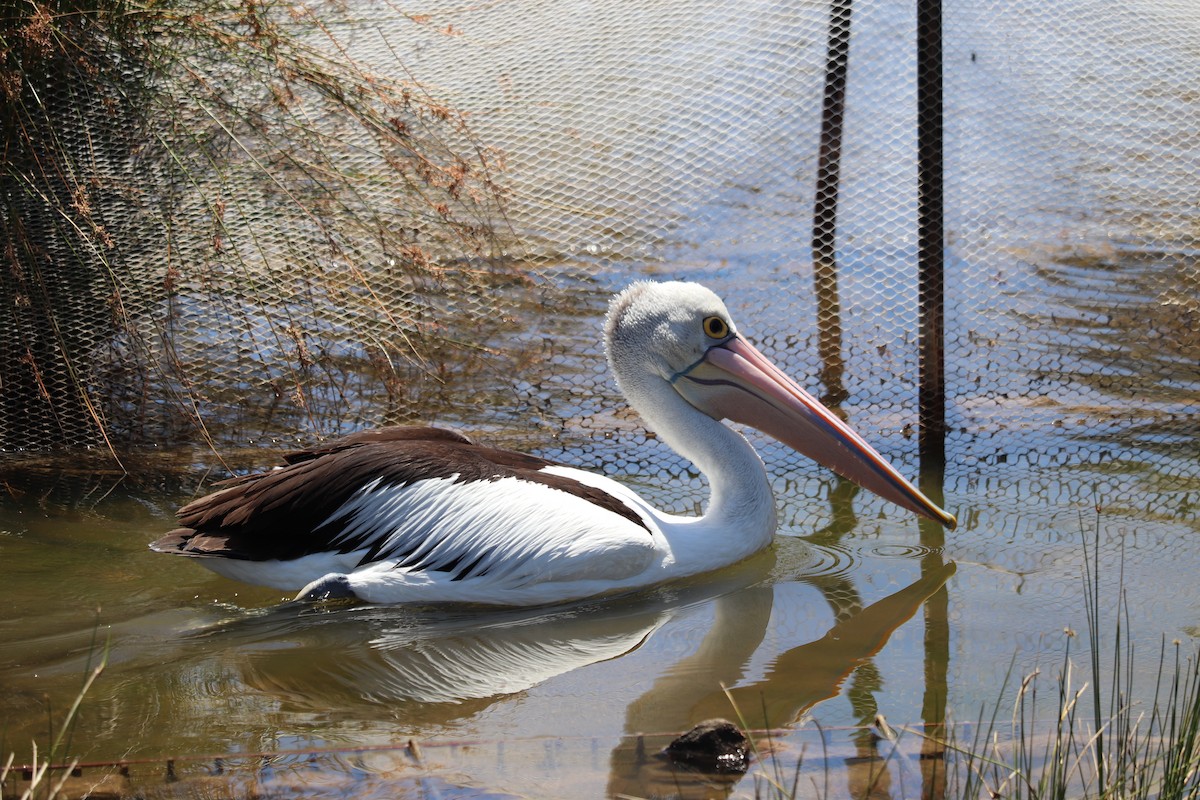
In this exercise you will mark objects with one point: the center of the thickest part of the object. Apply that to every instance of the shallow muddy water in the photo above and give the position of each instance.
(856, 611)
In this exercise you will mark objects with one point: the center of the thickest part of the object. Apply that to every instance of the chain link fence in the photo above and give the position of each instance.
(312, 219)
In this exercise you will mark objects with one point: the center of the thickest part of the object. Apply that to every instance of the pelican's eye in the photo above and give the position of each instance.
(716, 328)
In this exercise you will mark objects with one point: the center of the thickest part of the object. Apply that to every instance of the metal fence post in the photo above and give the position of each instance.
(930, 235)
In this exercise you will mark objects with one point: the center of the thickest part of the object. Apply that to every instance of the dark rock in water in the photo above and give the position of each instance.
(329, 588)
(715, 745)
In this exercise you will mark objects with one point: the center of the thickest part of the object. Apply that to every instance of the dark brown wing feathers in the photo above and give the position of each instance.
(377, 436)
(278, 514)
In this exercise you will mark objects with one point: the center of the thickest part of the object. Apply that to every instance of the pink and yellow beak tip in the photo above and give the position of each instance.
(946, 518)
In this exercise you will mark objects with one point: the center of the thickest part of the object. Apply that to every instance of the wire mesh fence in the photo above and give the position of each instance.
(294, 221)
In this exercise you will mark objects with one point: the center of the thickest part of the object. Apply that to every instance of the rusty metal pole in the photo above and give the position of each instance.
(931, 254)
(825, 204)
(930, 234)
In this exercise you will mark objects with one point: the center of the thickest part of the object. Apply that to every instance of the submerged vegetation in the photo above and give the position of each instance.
(209, 210)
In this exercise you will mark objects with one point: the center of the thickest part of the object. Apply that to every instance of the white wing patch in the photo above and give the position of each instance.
(514, 532)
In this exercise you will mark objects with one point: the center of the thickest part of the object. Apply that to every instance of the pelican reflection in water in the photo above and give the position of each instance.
(382, 665)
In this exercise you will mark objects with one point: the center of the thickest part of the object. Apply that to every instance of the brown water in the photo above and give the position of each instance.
(857, 611)
(867, 613)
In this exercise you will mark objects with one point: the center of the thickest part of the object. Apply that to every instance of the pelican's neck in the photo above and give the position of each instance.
(740, 515)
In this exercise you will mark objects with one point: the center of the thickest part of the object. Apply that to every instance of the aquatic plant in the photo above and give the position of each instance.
(1094, 739)
(1101, 741)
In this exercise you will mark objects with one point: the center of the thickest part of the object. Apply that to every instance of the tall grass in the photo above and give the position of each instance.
(1099, 739)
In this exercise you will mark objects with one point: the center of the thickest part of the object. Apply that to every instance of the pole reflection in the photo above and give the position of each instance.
(937, 642)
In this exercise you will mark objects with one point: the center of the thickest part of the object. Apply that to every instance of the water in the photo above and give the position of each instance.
(871, 614)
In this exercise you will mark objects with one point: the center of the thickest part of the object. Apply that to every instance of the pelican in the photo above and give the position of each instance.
(425, 515)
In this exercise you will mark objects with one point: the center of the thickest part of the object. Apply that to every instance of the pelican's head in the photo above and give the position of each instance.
(680, 335)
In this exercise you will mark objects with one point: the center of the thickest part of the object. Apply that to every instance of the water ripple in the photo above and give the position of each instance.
(821, 561)
(900, 550)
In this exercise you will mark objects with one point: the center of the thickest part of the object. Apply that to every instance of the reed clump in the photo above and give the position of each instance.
(1105, 736)
(1100, 735)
